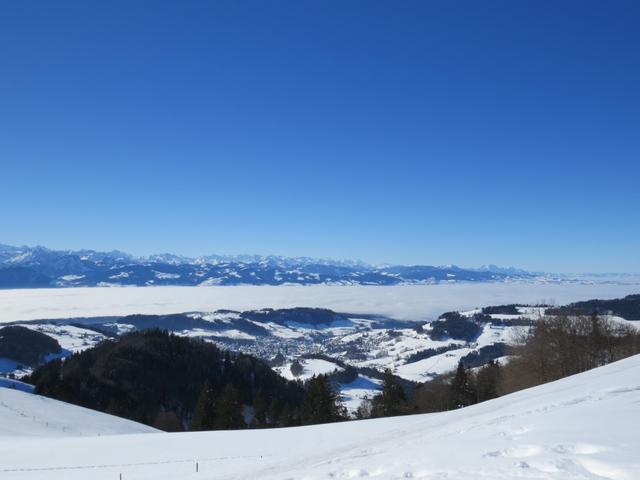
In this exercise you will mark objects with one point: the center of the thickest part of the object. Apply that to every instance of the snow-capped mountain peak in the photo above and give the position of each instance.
(42, 267)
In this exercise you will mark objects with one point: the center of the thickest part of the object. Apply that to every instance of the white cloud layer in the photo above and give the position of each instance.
(410, 302)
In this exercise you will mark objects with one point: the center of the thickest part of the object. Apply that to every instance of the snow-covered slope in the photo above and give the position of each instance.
(582, 427)
(310, 367)
(16, 385)
(27, 415)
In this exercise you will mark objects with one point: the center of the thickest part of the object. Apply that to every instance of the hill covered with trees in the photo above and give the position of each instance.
(555, 347)
(172, 383)
(26, 346)
(627, 308)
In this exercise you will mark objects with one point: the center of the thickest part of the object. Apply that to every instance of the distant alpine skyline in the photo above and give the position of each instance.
(14, 255)
(413, 133)
(18, 252)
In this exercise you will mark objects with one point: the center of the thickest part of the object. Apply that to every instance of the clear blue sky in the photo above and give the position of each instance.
(428, 132)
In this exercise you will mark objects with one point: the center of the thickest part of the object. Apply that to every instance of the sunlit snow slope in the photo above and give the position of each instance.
(582, 427)
(27, 415)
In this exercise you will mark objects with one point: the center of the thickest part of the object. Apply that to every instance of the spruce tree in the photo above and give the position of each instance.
(260, 410)
(289, 417)
(229, 410)
(321, 402)
(392, 400)
(274, 412)
(204, 414)
(462, 393)
(488, 382)
(296, 368)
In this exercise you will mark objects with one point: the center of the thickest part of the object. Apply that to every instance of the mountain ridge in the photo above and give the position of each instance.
(36, 267)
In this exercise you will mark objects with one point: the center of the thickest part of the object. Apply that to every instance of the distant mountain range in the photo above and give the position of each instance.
(35, 267)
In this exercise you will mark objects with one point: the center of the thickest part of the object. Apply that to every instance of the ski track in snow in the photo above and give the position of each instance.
(580, 428)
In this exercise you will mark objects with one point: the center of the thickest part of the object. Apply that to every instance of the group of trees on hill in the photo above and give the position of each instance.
(565, 345)
(627, 307)
(555, 347)
(463, 388)
(158, 378)
(320, 405)
(176, 383)
(391, 401)
(26, 346)
(457, 326)
(220, 411)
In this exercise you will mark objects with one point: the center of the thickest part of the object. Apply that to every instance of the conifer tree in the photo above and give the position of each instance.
(461, 389)
(229, 410)
(296, 368)
(204, 414)
(391, 401)
(260, 410)
(289, 417)
(488, 382)
(274, 412)
(321, 402)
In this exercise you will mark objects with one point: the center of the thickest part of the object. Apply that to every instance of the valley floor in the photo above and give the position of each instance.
(581, 427)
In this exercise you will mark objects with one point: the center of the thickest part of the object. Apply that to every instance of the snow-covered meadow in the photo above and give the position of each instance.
(407, 302)
(583, 427)
(24, 414)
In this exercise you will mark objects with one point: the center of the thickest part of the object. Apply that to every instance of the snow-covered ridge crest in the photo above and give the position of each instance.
(36, 267)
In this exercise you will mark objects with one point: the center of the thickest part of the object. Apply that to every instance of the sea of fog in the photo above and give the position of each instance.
(407, 302)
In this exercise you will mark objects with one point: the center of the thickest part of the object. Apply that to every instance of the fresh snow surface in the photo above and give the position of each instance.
(27, 415)
(310, 367)
(410, 302)
(71, 338)
(16, 385)
(395, 351)
(584, 427)
(11, 366)
(428, 368)
(352, 394)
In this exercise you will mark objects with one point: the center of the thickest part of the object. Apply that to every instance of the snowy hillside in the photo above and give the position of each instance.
(310, 367)
(27, 415)
(581, 427)
(354, 348)
(16, 385)
(409, 349)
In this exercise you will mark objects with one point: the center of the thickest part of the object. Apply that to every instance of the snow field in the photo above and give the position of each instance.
(27, 415)
(583, 427)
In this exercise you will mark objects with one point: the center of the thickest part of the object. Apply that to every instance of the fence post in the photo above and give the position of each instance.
(196, 467)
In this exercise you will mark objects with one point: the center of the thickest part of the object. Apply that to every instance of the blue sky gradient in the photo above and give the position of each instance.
(405, 132)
